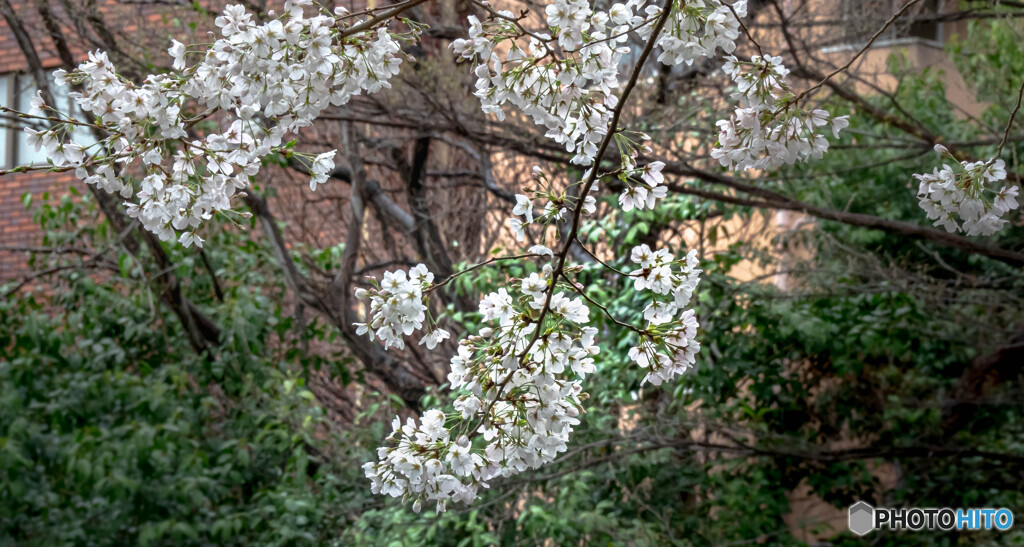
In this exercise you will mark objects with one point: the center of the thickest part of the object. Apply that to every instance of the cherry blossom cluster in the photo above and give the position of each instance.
(521, 396)
(572, 95)
(668, 346)
(768, 129)
(696, 29)
(965, 198)
(252, 87)
(398, 307)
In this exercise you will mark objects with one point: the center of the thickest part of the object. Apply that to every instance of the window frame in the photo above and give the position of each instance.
(13, 133)
(10, 133)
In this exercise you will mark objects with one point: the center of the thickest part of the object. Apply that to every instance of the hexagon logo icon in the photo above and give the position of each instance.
(862, 518)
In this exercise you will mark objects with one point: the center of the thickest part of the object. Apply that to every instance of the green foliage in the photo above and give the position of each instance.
(113, 431)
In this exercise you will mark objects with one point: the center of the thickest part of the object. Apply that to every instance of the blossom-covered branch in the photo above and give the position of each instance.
(523, 378)
(252, 87)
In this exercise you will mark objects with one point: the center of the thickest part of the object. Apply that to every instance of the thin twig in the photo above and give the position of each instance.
(604, 309)
(745, 29)
(603, 263)
(478, 266)
(382, 16)
(1009, 125)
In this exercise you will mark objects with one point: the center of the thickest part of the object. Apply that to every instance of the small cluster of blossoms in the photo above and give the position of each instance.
(521, 398)
(644, 187)
(398, 307)
(572, 96)
(668, 346)
(557, 206)
(646, 192)
(968, 194)
(768, 129)
(256, 83)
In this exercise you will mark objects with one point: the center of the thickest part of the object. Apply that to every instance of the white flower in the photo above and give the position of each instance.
(642, 255)
(659, 312)
(289, 69)
(523, 208)
(433, 424)
(654, 194)
(435, 337)
(635, 196)
(188, 239)
(321, 168)
(497, 305)
(517, 228)
(1006, 199)
(535, 285)
(38, 140)
(838, 124)
(652, 173)
(177, 52)
(540, 250)
(36, 105)
(589, 205)
(468, 405)
(572, 309)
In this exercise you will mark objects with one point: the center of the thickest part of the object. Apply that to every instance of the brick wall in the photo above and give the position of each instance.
(17, 229)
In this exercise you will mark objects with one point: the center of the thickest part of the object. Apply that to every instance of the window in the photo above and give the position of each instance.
(860, 19)
(17, 91)
(925, 29)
